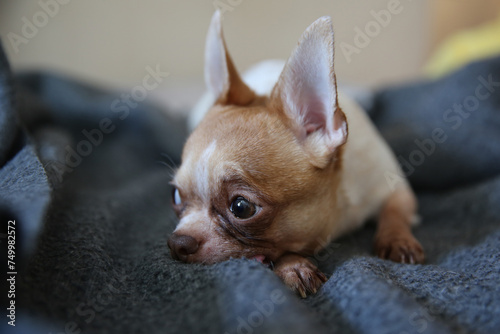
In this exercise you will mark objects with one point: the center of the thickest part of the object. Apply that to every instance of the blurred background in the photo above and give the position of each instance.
(111, 43)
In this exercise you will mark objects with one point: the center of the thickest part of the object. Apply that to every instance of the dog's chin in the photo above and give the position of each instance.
(261, 258)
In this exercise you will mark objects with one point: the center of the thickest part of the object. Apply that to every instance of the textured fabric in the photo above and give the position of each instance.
(100, 263)
(460, 114)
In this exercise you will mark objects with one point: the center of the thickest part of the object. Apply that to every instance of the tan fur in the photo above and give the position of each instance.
(309, 185)
(394, 239)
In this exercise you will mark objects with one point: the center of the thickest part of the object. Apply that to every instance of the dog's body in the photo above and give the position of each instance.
(366, 184)
(269, 173)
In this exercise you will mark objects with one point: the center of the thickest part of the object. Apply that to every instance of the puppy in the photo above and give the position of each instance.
(274, 171)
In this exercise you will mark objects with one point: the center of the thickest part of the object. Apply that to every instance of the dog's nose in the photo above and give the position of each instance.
(181, 246)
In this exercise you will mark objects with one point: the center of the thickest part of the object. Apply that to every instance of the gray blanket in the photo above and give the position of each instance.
(89, 191)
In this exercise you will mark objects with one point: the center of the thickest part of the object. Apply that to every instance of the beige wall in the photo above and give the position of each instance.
(448, 16)
(111, 42)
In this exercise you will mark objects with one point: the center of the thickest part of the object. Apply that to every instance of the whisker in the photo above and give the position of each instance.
(170, 164)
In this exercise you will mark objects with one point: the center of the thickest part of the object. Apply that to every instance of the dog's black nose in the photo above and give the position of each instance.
(181, 246)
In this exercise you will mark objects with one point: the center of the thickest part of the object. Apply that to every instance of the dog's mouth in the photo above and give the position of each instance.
(263, 259)
(259, 258)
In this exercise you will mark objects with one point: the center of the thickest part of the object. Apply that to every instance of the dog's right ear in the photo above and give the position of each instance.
(221, 76)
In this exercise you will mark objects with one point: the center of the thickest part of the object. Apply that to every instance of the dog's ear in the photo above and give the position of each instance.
(307, 93)
(221, 76)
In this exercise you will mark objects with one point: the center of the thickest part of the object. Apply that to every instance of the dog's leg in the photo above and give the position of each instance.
(393, 239)
(299, 274)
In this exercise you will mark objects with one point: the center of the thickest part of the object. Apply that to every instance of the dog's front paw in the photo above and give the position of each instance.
(402, 248)
(299, 274)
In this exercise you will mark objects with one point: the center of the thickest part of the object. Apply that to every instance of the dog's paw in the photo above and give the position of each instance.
(299, 274)
(402, 248)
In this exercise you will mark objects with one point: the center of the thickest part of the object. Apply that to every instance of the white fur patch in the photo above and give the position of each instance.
(202, 171)
(191, 221)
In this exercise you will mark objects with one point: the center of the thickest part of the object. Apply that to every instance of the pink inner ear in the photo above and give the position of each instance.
(307, 88)
(216, 76)
(314, 117)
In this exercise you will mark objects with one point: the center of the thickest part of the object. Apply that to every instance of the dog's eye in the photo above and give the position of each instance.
(176, 197)
(242, 208)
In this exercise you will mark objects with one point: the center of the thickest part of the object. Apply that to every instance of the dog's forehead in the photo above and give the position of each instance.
(201, 169)
(249, 144)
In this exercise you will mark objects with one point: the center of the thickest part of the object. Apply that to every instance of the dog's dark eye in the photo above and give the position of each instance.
(242, 208)
(176, 197)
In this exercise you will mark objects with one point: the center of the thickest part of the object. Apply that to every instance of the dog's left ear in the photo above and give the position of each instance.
(307, 93)
(221, 77)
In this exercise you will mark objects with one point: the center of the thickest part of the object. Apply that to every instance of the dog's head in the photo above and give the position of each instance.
(259, 174)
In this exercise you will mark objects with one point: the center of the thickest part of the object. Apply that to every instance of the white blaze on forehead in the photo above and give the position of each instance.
(203, 170)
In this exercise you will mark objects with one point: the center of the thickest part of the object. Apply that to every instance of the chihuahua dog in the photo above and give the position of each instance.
(275, 175)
